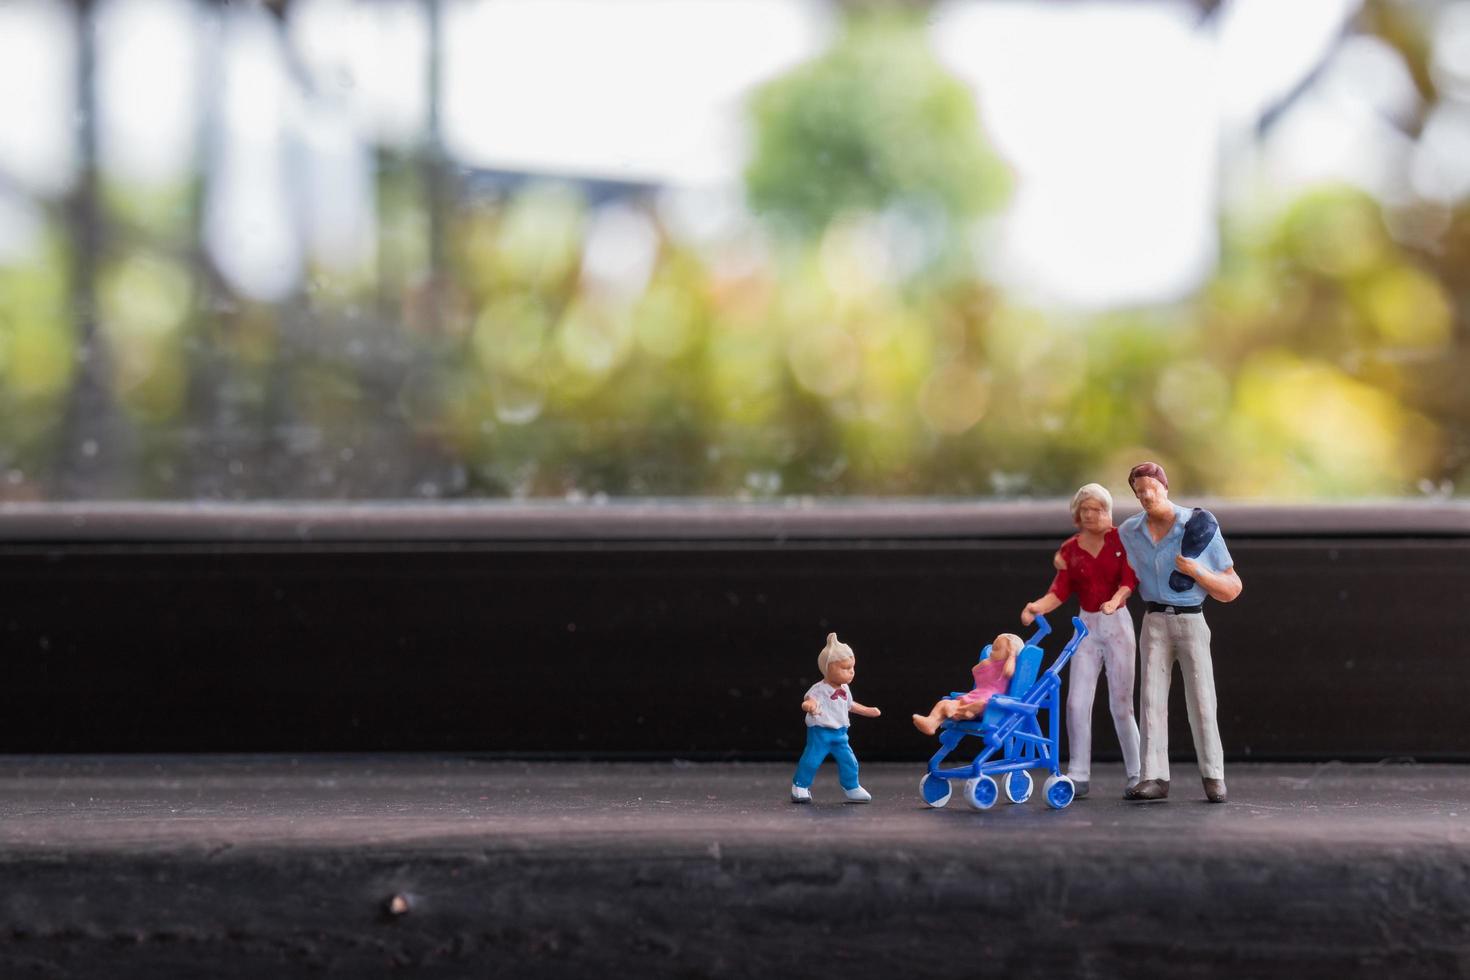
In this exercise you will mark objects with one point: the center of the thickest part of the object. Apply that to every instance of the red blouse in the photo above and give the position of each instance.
(1094, 579)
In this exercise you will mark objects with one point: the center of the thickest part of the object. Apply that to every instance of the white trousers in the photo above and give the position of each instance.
(1167, 638)
(1109, 648)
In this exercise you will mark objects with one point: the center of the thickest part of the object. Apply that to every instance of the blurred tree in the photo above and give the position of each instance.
(873, 124)
(858, 350)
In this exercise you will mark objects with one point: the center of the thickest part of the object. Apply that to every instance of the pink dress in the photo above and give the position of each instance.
(990, 678)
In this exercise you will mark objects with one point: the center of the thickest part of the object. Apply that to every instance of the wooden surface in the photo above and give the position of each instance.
(123, 866)
(1341, 647)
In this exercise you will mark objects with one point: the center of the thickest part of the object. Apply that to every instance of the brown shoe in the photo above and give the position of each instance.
(1215, 790)
(1149, 789)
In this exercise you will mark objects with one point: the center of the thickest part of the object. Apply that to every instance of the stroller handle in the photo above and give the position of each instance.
(1080, 632)
(1043, 628)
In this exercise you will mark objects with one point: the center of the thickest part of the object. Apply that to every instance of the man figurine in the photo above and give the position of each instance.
(1179, 557)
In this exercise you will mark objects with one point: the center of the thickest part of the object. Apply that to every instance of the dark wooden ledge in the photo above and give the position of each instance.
(681, 629)
(247, 867)
(674, 520)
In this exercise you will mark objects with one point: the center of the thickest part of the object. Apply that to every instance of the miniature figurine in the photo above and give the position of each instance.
(992, 675)
(827, 705)
(1097, 570)
(1020, 730)
(1179, 557)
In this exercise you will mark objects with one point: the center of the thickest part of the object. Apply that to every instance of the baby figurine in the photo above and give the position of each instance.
(826, 706)
(992, 675)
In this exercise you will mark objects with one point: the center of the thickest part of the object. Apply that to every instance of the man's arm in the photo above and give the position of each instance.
(1057, 561)
(1222, 586)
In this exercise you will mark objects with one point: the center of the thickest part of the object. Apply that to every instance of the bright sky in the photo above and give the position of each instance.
(1117, 168)
(647, 90)
(1114, 116)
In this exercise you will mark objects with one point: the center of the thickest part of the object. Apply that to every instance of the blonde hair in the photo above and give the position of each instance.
(1012, 640)
(1091, 491)
(834, 650)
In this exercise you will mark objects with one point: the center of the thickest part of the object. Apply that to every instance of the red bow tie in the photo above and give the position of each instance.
(839, 693)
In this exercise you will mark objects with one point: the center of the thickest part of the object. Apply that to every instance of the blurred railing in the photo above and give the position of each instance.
(829, 327)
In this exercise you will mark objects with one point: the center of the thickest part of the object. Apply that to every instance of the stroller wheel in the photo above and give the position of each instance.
(1018, 786)
(934, 789)
(1058, 791)
(981, 792)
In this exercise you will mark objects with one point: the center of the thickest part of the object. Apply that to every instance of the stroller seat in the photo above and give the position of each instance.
(1028, 664)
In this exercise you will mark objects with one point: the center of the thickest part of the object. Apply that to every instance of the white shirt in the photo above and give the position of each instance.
(832, 706)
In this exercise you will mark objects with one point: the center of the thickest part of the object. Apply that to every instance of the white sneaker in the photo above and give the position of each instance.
(858, 795)
(800, 794)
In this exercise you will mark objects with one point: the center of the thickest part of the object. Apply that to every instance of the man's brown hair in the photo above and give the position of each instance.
(1148, 469)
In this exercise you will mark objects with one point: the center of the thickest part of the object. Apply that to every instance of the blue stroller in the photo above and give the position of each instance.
(1014, 739)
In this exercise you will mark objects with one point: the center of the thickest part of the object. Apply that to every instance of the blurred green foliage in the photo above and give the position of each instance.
(845, 342)
(873, 124)
(37, 353)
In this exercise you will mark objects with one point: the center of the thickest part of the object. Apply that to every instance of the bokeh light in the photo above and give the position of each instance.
(276, 252)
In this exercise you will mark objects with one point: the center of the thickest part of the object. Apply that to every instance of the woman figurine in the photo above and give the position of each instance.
(1097, 570)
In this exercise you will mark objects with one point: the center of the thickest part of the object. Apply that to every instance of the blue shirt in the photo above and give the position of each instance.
(1152, 562)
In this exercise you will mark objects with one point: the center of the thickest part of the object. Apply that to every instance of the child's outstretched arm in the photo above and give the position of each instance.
(865, 711)
(809, 706)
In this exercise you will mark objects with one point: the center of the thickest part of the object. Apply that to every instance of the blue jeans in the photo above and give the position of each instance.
(820, 743)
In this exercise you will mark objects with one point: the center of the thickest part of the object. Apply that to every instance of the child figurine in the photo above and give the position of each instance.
(992, 676)
(826, 706)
